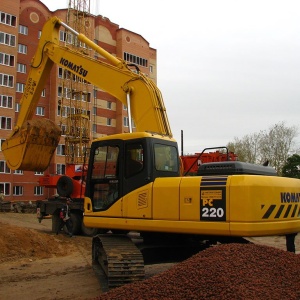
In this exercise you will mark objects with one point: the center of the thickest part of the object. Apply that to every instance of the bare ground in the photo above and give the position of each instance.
(36, 264)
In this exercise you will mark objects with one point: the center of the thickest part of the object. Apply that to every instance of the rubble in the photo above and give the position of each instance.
(228, 271)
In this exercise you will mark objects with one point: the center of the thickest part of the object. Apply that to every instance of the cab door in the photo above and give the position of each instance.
(105, 187)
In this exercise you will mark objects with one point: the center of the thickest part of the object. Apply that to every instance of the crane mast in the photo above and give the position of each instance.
(76, 93)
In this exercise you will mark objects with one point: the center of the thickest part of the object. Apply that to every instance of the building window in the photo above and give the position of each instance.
(21, 68)
(7, 39)
(108, 122)
(6, 80)
(63, 92)
(18, 172)
(60, 150)
(20, 87)
(64, 111)
(8, 19)
(135, 59)
(60, 72)
(109, 105)
(94, 127)
(70, 38)
(5, 187)
(7, 59)
(38, 173)
(17, 107)
(88, 97)
(59, 91)
(63, 129)
(5, 123)
(18, 190)
(60, 169)
(38, 190)
(62, 36)
(1, 142)
(151, 69)
(68, 93)
(94, 110)
(4, 169)
(66, 74)
(40, 111)
(6, 101)
(22, 49)
(23, 29)
(125, 122)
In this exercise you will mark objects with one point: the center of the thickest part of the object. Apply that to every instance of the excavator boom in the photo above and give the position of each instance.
(32, 139)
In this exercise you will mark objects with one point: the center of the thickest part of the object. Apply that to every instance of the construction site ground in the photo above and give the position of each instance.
(38, 264)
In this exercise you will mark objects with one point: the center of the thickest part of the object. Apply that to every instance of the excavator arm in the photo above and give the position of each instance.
(33, 141)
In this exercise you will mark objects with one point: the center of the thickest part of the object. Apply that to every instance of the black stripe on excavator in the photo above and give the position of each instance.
(279, 212)
(213, 180)
(269, 211)
(287, 211)
(295, 210)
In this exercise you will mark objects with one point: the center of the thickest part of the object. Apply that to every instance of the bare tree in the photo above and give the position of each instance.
(274, 145)
(246, 148)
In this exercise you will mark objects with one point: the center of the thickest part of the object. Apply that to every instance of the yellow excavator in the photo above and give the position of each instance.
(135, 192)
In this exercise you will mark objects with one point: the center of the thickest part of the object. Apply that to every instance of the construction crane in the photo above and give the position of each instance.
(76, 93)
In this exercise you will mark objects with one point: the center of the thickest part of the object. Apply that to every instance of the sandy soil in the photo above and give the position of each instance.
(36, 264)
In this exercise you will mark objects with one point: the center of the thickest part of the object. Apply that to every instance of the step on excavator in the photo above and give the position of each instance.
(134, 182)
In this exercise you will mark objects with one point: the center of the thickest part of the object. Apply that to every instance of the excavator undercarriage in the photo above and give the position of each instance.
(119, 258)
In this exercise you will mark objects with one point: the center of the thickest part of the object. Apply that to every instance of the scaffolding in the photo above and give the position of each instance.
(76, 93)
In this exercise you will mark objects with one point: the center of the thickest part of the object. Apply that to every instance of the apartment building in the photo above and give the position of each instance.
(21, 23)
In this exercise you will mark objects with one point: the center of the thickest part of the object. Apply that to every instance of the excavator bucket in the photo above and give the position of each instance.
(31, 148)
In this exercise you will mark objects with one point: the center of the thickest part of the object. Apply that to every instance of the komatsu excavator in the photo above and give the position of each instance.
(134, 181)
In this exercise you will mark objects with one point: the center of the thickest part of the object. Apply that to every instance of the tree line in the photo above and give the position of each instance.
(275, 146)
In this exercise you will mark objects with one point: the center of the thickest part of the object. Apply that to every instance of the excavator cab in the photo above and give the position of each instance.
(122, 163)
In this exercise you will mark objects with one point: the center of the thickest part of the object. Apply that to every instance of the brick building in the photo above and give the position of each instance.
(21, 22)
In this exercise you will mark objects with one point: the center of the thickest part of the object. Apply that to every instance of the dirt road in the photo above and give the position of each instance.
(36, 264)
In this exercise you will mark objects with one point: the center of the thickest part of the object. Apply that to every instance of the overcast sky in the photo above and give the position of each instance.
(226, 68)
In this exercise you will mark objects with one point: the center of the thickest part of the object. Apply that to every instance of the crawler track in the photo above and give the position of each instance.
(119, 258)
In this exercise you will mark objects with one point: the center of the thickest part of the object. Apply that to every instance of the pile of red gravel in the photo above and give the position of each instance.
(229, 271)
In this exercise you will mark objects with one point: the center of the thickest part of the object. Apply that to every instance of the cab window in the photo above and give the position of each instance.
(134, 159)
(165, 158)
(105, 177)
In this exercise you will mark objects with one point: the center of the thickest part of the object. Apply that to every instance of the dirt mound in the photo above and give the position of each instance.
(18, 242)
(233, 271)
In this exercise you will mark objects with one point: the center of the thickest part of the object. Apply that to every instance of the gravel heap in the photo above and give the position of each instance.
(228, 271)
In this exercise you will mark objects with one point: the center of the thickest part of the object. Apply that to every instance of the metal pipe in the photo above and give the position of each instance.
(81, 37)
(129, 112)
